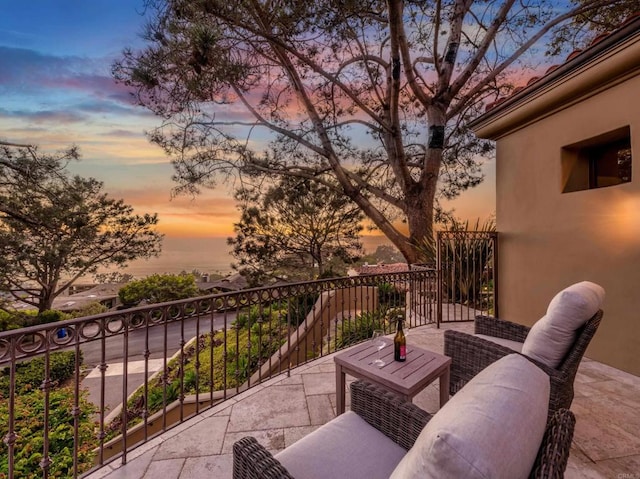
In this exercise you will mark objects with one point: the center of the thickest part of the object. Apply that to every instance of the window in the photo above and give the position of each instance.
(598, 162)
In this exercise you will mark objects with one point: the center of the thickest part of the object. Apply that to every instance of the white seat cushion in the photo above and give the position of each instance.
(551, 337)
(491, 429)
(346, 446)
(515, 346)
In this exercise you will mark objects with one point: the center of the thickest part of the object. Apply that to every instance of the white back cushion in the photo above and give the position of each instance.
(492, 428)
(515, 346)
(551, 336)
(346, 446)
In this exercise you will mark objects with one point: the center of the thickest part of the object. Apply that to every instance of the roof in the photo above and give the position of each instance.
(234, 282)
(630, 25)
(608, 60)
(97, 294)
(382, 268)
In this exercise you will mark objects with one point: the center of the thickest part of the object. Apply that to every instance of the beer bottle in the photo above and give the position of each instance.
(400, 343)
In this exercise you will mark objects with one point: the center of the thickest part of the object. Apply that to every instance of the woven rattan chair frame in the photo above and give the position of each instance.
(470, 355)
(553, 454)
(402, 422)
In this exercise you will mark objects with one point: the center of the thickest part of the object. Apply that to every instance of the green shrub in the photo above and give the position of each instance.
(173, 391)
(155, 399)
(361, 327)
(388, 295)
(159, 288)
(291, 311)
(190, 380)
(29, 427)
(30, 374)
(465, 261)
(51, 316)
(23, 319)
(89, 310)
(300, 306)
(17, 319)
(256, 313)
(9, 321)
(255, 346)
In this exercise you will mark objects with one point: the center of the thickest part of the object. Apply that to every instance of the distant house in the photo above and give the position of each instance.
(234, 282)
(105, 294)
(378, 269)
(568, 189)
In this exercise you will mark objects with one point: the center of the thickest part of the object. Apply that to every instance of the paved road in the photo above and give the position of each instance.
(114, 350)
(114, 356)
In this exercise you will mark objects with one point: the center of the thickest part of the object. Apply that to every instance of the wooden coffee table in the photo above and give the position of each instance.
(406, 379)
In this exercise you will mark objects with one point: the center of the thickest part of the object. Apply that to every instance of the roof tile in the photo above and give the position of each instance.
(570, 57)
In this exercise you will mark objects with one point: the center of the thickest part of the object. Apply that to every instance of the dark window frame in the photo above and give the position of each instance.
(599, 162)
(598, 155)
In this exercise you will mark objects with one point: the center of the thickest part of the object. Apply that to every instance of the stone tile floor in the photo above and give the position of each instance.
(281, 411)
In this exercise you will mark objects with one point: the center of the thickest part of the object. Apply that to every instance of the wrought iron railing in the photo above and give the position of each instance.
(467, 263)
(205, 350)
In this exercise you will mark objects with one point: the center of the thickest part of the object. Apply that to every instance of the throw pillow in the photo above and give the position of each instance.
(551, 337)
(491, 429)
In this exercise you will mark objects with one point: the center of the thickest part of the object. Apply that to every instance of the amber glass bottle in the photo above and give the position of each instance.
(400, 343)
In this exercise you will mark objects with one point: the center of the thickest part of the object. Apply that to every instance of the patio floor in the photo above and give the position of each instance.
(606, 442)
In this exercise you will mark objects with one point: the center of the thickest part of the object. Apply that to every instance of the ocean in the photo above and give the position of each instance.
(207, 255)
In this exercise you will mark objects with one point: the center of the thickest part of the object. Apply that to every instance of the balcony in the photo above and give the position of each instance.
(285, 408)
(262, 366)
(104, 384)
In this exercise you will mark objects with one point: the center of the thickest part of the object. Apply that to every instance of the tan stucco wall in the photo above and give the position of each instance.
(549, 240)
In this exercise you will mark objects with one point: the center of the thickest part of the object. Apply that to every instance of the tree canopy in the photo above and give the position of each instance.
(582, 28)
(387, 254)
(159, 288)
(56, 227)
(112, 277)
(295, 229)
(370, 97)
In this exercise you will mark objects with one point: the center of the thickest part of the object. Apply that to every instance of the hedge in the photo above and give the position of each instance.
(29, 427)
(30, 374)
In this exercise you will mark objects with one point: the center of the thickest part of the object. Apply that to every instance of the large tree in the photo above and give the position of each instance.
(56, 227)
(21, 167)
(159, 288)
(376, 93)
(295, 228)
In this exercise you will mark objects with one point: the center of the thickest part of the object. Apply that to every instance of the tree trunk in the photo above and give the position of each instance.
(46, 297)
(419, 203)
(419, 216)
(45, 301)
(319, 261)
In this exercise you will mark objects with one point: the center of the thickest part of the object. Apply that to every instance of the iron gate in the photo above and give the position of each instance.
(467, 283)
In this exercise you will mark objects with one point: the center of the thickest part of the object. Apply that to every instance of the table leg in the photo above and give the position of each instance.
(340, 390)
(444, 386)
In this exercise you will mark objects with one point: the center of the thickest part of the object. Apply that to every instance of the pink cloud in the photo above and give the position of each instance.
(24, 72)
(44, 116)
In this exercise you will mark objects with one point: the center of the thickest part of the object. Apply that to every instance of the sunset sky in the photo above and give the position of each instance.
(56, 90)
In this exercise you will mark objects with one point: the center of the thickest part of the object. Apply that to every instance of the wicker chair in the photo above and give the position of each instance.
(402, 421)
(470, 355)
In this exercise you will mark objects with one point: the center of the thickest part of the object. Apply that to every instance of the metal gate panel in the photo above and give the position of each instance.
(467, 283)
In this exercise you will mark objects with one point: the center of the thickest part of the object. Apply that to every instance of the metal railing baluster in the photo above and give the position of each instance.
(11, 436)
(285, 313)
(45, 462)
(76, 411)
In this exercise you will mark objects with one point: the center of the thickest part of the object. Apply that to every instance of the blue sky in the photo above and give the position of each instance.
(72, 28)
(56, 90)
